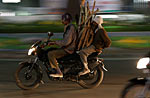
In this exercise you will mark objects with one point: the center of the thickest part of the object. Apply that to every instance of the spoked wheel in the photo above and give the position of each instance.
(135, 91)
(27, 80)
(93, 79)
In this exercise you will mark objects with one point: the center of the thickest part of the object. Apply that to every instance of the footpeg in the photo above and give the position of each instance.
(42, 82)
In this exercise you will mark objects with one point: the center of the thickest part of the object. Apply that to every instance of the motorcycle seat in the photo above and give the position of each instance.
(75, 56)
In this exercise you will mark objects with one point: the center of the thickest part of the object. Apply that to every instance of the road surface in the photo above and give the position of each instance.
(115, 79)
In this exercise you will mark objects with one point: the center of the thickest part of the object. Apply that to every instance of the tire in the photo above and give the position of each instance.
(34, 84)
(132, 90)
(95, 83)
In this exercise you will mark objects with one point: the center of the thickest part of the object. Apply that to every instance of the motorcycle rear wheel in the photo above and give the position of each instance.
(31, 81)
(93, 82)
(134, 90)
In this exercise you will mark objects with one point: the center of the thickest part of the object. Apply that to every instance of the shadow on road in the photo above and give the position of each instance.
(48, 89)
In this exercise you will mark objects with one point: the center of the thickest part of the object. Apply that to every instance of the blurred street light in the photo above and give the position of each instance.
(11, 1)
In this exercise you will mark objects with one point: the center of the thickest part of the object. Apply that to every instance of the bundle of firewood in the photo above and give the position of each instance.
(85, 36)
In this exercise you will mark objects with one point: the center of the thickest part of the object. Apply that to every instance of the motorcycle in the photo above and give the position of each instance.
(29, 74)
(139, 87)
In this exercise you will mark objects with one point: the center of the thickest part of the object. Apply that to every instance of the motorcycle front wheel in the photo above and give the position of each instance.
(93, 79)
(25, 80)
(135, 90)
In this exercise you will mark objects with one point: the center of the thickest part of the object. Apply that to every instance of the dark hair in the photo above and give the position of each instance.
(67, 17)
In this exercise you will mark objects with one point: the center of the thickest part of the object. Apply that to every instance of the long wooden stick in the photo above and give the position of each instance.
(88, 8)
(81, 17)
(81, 39)
(90, 38)
(93, 6)
(91, 16)
(83, 34)
(86, 33)
(86, 37)
(82, 2)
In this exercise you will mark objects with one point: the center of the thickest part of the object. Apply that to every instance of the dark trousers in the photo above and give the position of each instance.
(54, 55)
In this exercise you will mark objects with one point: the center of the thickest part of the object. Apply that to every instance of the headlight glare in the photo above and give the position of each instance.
(31, 51)
(143, 62)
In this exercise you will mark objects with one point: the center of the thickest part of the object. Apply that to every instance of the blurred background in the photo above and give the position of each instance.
(22, 22)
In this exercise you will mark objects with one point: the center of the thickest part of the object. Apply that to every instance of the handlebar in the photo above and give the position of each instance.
(50, 34)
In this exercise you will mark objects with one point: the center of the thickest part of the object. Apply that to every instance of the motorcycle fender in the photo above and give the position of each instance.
(24, 63)
(138, 80)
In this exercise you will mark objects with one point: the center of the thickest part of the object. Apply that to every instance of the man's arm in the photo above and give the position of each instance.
(105, 38)
(67, 38)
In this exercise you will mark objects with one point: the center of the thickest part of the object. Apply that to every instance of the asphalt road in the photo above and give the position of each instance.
(114, 81)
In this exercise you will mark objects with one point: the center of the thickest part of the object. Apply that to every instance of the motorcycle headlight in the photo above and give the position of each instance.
(143, 62)
(31, 50)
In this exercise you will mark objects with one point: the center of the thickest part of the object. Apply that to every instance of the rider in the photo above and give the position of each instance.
(100, 41)
(67, 44)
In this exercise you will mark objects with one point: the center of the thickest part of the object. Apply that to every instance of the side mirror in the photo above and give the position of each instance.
(50, 34)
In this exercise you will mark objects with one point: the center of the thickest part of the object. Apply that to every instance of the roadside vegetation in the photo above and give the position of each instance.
(131, 42)
(141, 42)
(56, 26)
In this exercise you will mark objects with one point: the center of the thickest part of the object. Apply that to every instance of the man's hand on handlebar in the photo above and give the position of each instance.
(48, 44)
(51, 43)
(44, 44)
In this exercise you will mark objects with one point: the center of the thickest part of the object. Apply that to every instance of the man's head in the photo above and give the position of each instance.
(98, 20)
(66, 18)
